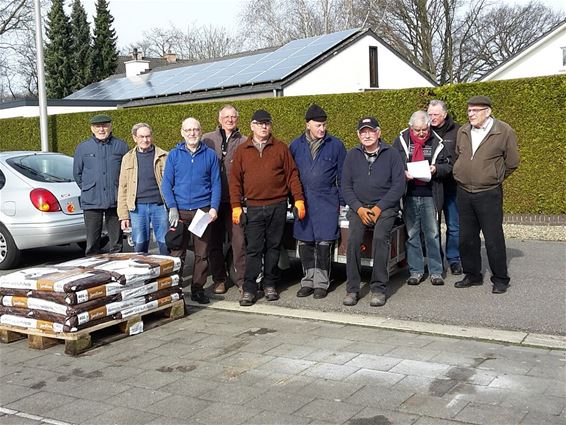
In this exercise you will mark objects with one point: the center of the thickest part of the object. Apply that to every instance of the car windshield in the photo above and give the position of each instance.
(44, 168)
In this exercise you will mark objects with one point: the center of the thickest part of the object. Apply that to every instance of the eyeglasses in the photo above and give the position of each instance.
(231, 117)
(144, 136)
(476, 110)
(102, 125)
(191, 130)
(419, 130)
(261, 124)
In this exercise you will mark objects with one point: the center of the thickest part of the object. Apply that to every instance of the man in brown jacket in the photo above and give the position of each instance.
(262, 175)
(224, 141)
(487, 154)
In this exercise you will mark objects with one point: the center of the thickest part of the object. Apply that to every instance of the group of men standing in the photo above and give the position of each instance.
(244, 185)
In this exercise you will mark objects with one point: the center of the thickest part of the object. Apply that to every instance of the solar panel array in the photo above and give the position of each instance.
(235, 72)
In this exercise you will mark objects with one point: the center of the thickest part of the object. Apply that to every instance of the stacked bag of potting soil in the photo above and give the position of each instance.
(86, 292)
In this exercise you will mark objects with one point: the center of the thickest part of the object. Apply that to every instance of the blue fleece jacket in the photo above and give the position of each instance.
(191, 180)
(381, 183)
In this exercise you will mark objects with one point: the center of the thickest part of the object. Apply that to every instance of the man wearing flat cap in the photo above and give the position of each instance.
(96, 168)
(319, 157)
(263, 174)
(373, 182)
(487, 153)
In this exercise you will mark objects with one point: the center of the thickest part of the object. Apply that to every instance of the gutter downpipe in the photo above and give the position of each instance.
(41, 78)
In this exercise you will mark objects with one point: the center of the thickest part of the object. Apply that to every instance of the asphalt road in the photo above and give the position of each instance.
(535, 302)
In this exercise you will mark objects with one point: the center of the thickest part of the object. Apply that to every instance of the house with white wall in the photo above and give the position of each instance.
(348, 61)
(544, 56)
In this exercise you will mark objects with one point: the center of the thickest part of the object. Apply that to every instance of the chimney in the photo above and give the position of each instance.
(137, 65)
(170, 57)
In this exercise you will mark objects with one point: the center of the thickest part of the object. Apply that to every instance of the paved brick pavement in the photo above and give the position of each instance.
(228, 367)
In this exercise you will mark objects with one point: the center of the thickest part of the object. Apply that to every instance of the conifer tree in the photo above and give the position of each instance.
(104, 53)
(80, 47)
(57, 52)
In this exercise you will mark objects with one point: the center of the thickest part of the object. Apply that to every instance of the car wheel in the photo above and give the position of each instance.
(9, 252)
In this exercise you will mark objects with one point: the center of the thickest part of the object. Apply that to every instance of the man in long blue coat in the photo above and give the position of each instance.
(319, 157)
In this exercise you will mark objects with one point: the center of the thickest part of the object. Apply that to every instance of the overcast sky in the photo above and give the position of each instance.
(132, 17)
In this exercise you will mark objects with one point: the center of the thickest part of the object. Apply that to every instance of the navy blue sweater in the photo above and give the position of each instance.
(381, 183)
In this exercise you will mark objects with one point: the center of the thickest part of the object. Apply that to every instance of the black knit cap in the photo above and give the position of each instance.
(479, 100)
(175, 237)
(261, 115)
(315, 113)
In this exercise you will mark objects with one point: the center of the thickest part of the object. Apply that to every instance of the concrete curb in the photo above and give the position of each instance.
(555, 342)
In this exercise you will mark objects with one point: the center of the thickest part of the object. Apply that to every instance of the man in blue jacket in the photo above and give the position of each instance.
(373, 182)
(319, 157)
(96, 168)
(191, 181)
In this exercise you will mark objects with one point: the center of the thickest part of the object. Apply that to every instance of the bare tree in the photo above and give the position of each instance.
(195, 43)
(448, 40)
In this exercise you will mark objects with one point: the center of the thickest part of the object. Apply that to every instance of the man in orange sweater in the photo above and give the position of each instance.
(263, 173)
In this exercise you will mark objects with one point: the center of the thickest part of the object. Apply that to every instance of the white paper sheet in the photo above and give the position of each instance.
(419, 170)
(199, 223)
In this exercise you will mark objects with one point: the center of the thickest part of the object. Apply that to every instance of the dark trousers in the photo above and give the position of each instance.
(200, 266)
(380, 251)
(264, 232)
(93, 222)
(222, 226)
(483, 211)
(316, 261)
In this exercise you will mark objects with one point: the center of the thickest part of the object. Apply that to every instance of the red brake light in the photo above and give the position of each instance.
(44, 200)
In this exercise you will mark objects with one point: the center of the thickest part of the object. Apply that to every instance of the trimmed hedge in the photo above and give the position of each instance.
(534, 107)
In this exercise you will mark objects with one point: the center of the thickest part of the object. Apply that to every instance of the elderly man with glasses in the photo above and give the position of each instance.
(224, 140)
(191, 181)
(487, 153)
(424, 196)
(263, 174)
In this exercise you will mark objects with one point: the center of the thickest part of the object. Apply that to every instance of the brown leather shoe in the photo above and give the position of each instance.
(220, 288)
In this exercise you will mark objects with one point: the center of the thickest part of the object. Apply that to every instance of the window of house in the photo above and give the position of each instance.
(373, 76)
(564, 56)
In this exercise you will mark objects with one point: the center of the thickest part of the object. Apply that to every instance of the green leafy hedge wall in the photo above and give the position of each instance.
(534, 107)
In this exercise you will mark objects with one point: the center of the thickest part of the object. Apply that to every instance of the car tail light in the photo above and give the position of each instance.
(44, 200)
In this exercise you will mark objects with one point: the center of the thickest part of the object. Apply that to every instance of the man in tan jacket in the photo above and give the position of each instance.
(487, 153)
(140, 203)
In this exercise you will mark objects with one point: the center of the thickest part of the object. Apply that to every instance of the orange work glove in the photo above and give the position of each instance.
(236, 214)
(301, 210)
(366, 216)
(376, 211)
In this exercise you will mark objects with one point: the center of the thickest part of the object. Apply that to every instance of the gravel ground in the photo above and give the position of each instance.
(530, 232)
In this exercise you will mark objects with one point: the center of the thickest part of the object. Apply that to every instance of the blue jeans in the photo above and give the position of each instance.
(450, 209)
(420, 215)
(142, 219)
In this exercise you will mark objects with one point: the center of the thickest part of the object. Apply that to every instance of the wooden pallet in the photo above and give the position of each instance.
(95, 336)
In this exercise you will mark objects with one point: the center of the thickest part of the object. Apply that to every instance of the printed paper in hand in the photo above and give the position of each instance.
(419, 170)
(199, 223)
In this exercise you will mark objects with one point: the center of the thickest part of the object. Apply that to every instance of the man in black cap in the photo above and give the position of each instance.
(373, 182)
(319, 157)
(262, 175)
(96, 168)
(487, 154)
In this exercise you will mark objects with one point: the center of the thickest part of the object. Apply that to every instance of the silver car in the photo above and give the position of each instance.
(39, 203)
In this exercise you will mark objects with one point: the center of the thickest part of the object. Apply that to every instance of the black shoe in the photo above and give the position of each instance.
(271, 293)
(305, 291)
(319, 293)
(456, 269)
(200, 297)
(247, 299)
(468, 281)
(350, 299)
(499, 289)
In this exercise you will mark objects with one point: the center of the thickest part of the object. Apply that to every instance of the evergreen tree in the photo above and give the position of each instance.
(104, 52)
(58, 52)
(80, 47)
